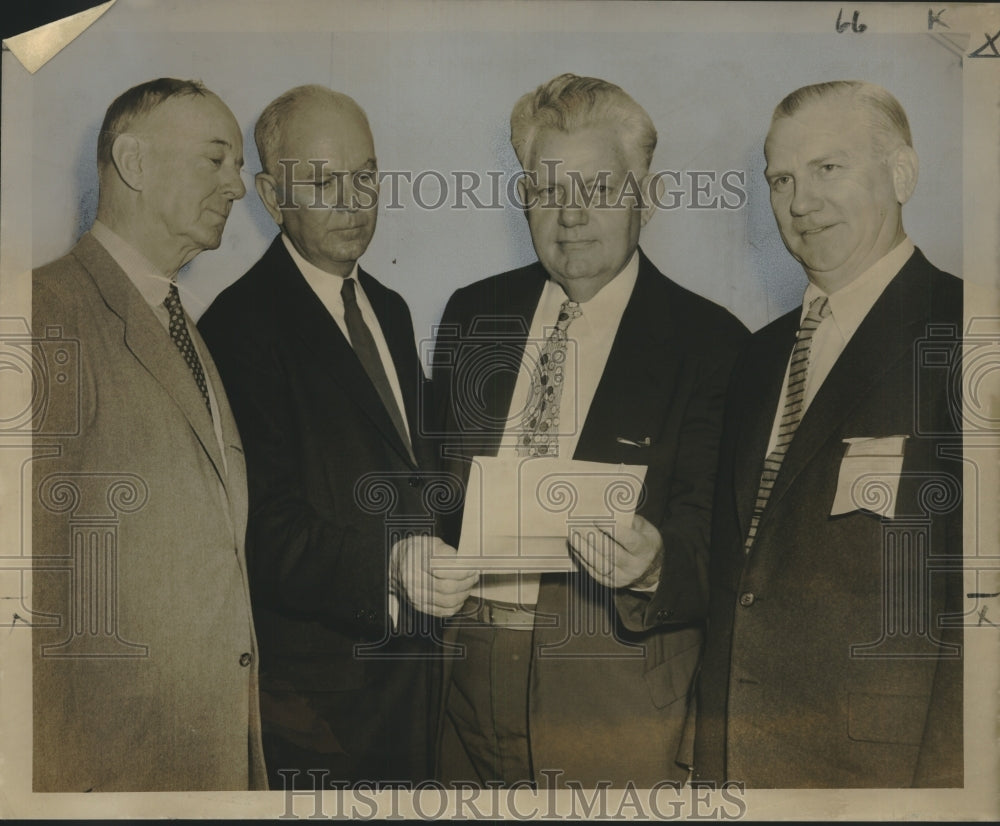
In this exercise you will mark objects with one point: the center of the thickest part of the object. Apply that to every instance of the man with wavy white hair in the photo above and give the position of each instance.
(568, 675)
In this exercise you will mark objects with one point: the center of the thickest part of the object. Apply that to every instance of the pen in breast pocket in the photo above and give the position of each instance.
(623, 441)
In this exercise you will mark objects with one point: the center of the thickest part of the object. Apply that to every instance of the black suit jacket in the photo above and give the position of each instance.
(608, 706)
(829, 662)
(330, 481)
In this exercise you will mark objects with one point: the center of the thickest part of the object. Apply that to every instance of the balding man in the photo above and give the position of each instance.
(320, 362)
(145, 663)
(833, 658)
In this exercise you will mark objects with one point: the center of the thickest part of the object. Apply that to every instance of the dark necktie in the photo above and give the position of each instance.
(182, 338)
(367, 352)
(540, 423)
(792, 409)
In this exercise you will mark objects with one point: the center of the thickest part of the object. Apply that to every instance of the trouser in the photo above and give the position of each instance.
(485, 735)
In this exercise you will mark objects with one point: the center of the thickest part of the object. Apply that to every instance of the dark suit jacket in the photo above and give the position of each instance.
(598, 713)
(826, 662)
(330, 481)
(145, 662)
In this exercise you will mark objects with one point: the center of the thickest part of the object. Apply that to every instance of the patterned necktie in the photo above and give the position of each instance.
(791, 413)
(539, 425)
(367, 352)
(182, 338)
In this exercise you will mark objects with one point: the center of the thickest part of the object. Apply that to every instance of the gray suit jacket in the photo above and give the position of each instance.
(144, 654)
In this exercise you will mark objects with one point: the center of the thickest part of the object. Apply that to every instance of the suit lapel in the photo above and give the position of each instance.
(618, 407)
(886, 335)
(502, 325)
(150, 343)
(398, 338)
(760, 398)
(230, 433)
(309, 320)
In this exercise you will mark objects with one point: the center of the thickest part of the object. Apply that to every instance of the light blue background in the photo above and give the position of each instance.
(441, 101)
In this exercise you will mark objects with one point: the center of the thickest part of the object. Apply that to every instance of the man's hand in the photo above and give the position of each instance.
(630, 559)
(435, 591)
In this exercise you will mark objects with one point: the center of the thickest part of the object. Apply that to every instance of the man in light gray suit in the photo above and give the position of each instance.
(144, 655)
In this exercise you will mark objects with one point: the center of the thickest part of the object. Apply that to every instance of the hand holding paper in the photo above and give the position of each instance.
(518, 511)
(437, 591)
(630, 559)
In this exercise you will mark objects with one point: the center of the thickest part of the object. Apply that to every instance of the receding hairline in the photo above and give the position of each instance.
(270, 131)
(882, 112)
(135, 105)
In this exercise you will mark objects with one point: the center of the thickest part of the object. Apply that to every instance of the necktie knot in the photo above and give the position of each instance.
(173, 300)
(819, 308)
(569, 311)
(347, 292)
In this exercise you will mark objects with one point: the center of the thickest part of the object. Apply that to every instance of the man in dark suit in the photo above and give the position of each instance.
(560, 676)
(320, 363)
(833, 656)
(144, 656)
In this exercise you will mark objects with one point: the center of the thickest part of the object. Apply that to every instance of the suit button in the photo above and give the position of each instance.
(246, 658)
(747, 599)
(414, 481)
(663, 615)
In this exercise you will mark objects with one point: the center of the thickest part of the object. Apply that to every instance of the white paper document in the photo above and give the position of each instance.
(519, 510)
(869, 476)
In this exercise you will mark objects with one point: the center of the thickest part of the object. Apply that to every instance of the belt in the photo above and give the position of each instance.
(502, 614)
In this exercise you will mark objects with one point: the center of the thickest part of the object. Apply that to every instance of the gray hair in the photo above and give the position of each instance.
(269, 131)
(569, 102)
(136, 103)
(885, 115)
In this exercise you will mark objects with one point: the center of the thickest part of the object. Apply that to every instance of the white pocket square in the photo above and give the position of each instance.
(869, 475)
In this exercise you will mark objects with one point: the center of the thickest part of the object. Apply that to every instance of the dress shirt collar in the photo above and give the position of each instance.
(609, 302)
(314, 275)
(850, 304)
(152, 284)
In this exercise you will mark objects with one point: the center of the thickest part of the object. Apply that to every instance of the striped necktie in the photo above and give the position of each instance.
(182, 339)
(792, 409)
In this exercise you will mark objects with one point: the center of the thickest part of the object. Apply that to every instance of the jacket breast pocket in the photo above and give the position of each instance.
(887, 718)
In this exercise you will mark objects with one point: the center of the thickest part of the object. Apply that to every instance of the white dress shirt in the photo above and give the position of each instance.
(153, 286)
(327, 288)
(848, 307)
(589, 343)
